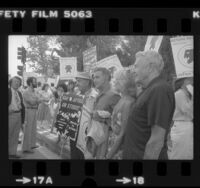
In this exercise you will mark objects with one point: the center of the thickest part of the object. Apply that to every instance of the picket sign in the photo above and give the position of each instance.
(182, 48)
(153, 43)
(68, 67)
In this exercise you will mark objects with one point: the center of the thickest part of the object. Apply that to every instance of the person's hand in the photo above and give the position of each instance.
(190, 89)
(103, 114)
(95, 115)
(10, 110)
(22, 127)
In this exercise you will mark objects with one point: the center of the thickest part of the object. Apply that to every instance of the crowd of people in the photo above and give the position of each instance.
(137, 116)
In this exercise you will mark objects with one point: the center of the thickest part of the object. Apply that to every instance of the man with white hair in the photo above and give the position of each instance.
(151, 115)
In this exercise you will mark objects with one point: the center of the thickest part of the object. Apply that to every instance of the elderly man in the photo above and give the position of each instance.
(84, 83)
(151, 115)
(104, 104)
(31, 101)
(16, 115)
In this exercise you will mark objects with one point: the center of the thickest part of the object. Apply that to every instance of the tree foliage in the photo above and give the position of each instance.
(39, 53)
(73, 46)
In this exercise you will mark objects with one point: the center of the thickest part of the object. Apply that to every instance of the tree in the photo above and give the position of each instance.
(39, 54)
(124, 46)
(43, 50)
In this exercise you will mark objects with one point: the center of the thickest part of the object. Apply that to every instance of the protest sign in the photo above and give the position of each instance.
(41, 79)
(68, 67)
(182, 48)
(112, 63)
(83, 130)
(68, 118)
(153, 43)
(89, 58)
(51, 81)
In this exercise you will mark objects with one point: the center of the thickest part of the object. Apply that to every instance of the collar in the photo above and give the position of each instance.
(105, 90)
(13, 90)
(154, 80)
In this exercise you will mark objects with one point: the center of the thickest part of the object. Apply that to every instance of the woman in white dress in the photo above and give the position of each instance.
(181, 135)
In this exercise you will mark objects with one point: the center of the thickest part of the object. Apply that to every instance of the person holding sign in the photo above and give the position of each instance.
(97, 137)
(181, 134)
(84, 83)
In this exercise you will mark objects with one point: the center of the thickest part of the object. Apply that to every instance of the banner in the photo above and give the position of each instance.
(51, 81)
(112, 63)
(89, 58)
(182, 48)
(68, 67)
(153, 43)
(68, 117)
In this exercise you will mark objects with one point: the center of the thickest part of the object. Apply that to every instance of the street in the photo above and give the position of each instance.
(41, 152)
(48, 148)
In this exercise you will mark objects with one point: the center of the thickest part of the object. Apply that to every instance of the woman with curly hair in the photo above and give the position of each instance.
(125, 85)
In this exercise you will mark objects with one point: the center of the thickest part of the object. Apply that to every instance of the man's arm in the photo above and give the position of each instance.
(155, 143)
(29, 99)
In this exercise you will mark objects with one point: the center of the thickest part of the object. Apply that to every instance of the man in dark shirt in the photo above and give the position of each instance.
(151, 115)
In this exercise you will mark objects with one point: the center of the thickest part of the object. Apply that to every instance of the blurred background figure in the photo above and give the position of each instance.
(52, 87)
(43, 109)
(61, 90)
(181, 135)
(9, 77)
(39, 87)
(70, 87)
(55, 103)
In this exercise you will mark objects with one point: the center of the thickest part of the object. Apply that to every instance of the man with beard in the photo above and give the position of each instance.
(31, 101)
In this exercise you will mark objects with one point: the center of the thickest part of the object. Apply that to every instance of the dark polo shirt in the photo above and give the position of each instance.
(154, 106)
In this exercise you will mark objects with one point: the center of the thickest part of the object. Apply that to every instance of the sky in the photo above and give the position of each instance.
(15, 41)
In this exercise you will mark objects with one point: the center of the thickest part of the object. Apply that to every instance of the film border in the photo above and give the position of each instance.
(180, 172)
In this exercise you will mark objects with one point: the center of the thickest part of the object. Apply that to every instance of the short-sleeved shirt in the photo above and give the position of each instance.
(154, 106)
(29, 97)
(106, 101)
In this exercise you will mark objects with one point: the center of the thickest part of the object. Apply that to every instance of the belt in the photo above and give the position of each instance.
(18, 111)
(32, 107)
(183, 120)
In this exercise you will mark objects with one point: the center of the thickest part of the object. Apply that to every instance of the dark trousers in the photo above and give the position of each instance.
(75, 152)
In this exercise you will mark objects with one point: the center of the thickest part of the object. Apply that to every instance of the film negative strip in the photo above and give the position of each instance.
(34, 42)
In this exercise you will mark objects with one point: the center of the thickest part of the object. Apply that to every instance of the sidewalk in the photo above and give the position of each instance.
(49, 140)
